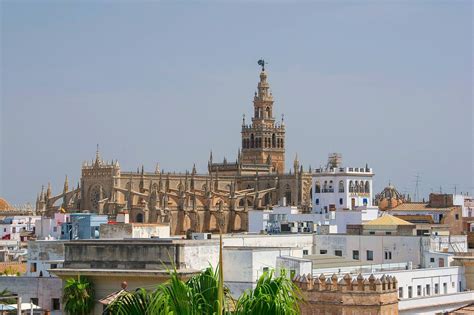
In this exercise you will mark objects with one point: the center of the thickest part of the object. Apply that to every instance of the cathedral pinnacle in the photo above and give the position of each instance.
(97, 156)
(66, 185)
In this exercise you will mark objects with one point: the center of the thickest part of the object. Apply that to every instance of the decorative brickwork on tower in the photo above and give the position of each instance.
(263, 141)
(358, 296)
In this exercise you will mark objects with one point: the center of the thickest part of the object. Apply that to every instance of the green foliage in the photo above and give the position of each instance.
(272, 295)
(200, 295)
(78, 296)
(5, 293)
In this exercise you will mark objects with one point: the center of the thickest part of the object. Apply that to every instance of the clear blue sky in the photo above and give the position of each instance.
(383, 83)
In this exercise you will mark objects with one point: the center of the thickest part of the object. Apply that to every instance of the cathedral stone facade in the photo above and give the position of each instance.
(189, 201)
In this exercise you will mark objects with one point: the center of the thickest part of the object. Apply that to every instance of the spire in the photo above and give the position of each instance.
(243, 120)
(42, 193)
(48, 191)
(193, 172)
(66, 185)
(157, 168)
(97, 156)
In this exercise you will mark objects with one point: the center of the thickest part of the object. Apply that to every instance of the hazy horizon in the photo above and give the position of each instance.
(388, 84)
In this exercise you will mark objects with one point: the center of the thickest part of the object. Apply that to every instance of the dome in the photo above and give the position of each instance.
(4, 205)
(389, 198)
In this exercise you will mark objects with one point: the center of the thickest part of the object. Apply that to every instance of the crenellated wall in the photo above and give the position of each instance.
(348, 295)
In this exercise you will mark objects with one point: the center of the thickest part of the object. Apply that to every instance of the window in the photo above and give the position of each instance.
(34, 301)
(55, 229)
(372, 233)
(338, 253)
(445, 288)
(457, 216)
(14, 230)
(400, 292)
(432, 260)
(418, 290)
(370, 255)
(265, 269)
(5, 229)
(305, 252)
(388, 233)
(436, 288)
(55, 305)
(54, 266)
(317, 201)
(452, 284)
(341, 201)
(428, 289)
(388, 255)
(410, 292)
(33, 267)
(323, 251)
(355, 254)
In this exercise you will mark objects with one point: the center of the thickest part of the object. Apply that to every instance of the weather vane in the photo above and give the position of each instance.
(262, 63)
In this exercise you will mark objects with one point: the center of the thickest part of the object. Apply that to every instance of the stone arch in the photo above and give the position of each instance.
(186, 222)
(139, 217)
(237, 223)
(213, 223)
(94, 196)
(351, 186)
(273, 141)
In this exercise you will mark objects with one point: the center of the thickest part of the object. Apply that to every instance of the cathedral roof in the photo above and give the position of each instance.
(4, 205)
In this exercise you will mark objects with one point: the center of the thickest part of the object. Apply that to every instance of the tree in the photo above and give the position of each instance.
(78, 296)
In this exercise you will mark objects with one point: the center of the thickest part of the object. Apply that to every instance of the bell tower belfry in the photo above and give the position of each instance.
(263, 141)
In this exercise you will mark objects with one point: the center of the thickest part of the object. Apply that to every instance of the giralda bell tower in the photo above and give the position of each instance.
(263, 141)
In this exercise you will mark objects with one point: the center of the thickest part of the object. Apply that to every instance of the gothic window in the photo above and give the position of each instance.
(252, 140)
(317, 188)
(361, 187)
(341, 186)
(367, 187)
(273, 141)
(282, 144)
(267, 112)
(243, 143)
(95, 197)
(356, 188)
(266, 143)
(256, 112)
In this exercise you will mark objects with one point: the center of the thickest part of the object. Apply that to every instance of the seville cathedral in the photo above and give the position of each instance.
(191, 201)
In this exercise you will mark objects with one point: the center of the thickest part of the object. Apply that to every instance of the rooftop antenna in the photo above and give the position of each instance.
(416, 195)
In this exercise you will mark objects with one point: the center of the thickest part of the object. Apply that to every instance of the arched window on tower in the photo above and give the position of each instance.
(256, 112)
(325, 186)
(267, 112)
(367, 187)
(273, 141)
(317, 188)
(252, 140)
(351, 186)
(282, 143)
(361, 187)
(341, 186)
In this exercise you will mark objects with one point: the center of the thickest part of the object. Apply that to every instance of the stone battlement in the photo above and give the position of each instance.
(338, 295)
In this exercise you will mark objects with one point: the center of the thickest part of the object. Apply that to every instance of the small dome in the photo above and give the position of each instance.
(389, 198)
(4, 205)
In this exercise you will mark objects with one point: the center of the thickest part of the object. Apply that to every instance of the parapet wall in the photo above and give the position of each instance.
(348, 295)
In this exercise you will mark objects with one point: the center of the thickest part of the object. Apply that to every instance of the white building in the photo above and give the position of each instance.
(338, 187)
(44, 256)
(50, 228)
(342, 195)
(244, 265)
(421, 251)
(12, 227)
